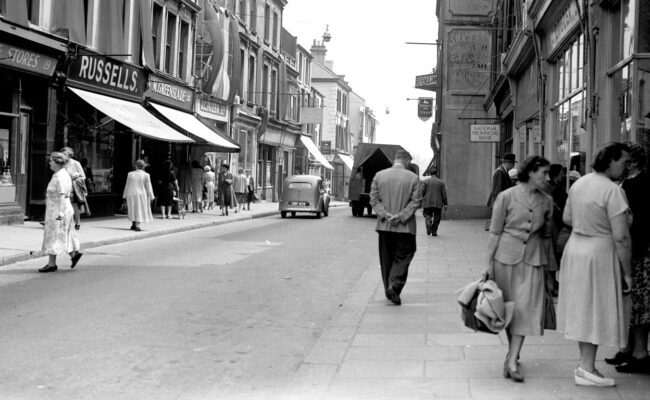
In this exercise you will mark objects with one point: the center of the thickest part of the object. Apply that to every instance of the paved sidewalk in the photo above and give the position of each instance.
(22, 242)
(421, 350)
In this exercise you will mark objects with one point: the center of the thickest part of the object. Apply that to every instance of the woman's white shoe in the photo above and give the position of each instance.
(584, 378)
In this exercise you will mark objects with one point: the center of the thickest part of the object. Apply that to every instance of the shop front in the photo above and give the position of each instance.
(174, 103)
(567, 137)
(275, 157)
(28, 109)
(107, 126)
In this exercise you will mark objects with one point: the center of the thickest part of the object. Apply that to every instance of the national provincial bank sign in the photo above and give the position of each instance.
(101, 74)
(484, 132)
(167, 92)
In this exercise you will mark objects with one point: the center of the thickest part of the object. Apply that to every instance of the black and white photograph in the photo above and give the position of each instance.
(324, 199)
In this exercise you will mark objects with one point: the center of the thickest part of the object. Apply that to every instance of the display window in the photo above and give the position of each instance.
(569, 110)
(91, 135)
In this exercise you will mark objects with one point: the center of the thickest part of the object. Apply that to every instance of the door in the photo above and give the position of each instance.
(21, 158)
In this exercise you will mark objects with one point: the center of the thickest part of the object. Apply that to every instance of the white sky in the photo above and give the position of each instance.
(368, 47)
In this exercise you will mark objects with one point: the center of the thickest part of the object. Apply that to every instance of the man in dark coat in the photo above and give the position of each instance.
(395, 195)
(500, 180)
(434, 198)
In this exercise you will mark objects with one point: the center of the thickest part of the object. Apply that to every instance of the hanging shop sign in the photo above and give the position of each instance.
(27, 60)
(95, 72)
(484, 133)
(212, 109)
(326, 146)
(427, 82)
(425, 108)
(164, 91)
(537, 134)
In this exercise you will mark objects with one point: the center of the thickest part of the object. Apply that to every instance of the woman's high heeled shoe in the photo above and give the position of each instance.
(510, 374)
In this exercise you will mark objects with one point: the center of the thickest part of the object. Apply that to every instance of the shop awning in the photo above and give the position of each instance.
(347, 160)
(132, 115)
(190, 123)
(311, 147)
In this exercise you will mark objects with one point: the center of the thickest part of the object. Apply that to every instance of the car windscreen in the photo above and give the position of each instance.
(300, 185)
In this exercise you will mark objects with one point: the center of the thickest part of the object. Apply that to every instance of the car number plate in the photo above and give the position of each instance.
(298, 203)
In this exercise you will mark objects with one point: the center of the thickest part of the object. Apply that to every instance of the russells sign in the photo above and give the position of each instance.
(107, 75)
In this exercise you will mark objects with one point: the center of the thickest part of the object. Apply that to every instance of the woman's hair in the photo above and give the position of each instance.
(140, 164)
(638, 155)
(531, 164)
(59, 158)
(609, 153)
(207, 168)
(240, 170)
(167, 165)
(67, 151)
(195, 164)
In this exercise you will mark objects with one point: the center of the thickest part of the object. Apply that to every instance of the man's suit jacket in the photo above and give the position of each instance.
(500, 182)
(434, 193)
(396, 190)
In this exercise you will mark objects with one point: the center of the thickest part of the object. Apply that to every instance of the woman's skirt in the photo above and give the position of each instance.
(590, 305)
(166, 195)
(523, 284)
(209, 192)
(640, 291)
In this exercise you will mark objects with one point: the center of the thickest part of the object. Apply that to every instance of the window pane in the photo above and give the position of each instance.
(561, 139)
(171, 33)
(182, 54)
(157, 25)
(628, 15)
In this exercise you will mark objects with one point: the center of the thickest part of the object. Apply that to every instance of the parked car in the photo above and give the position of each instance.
(304, 193)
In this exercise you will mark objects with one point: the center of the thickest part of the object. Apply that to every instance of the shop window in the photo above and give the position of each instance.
(570, 133)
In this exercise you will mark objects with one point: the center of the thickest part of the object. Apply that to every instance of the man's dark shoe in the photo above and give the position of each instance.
(635, 365)
(48, 268)
(434, 234)
(75, 259)
(619, 358)
(393, 296)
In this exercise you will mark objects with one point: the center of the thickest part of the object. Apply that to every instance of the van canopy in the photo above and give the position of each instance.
(365, 151)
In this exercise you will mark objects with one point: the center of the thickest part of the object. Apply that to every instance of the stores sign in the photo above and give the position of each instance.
(27, 60)
(484, 133)
(427, 82)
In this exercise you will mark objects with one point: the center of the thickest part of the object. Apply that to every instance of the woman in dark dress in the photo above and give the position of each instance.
(634, 358)
(226, 193)
(168, 184)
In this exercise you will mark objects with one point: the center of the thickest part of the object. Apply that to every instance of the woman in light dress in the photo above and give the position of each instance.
(518, 252)
(209, 180)
(240, 188)
(197, 186)
(596, 268)
(59, 236)
(138, 194)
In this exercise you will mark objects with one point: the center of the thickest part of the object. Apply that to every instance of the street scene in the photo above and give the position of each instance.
(329, 200)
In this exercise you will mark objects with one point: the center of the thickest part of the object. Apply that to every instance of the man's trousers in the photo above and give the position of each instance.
(432, 217)
(396, 250)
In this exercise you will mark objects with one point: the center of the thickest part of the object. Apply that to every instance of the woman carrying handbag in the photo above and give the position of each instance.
(518, 251)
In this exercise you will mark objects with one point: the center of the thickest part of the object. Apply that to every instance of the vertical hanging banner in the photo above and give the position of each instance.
(425, 108)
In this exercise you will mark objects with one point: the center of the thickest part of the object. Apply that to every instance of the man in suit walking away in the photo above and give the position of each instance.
(434, 199)
(500, 180)
(394, 196)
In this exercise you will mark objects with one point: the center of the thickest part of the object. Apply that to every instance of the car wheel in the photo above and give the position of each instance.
(354, 211)
(283, 214)
(326, 211)
(318, 214)
(369, 209)
(293, 213)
